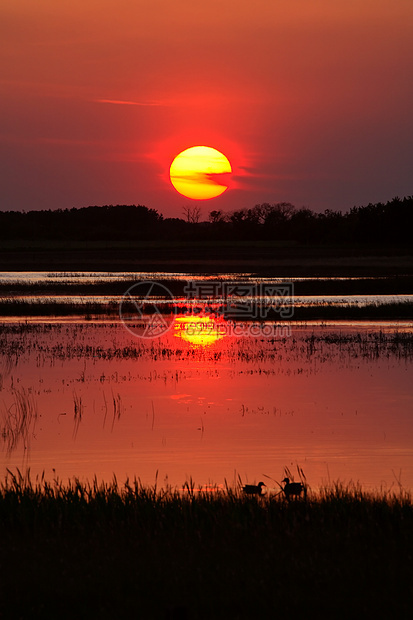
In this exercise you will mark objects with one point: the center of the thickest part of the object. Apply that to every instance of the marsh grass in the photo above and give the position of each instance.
(53, 307)
(75, 283)
(18, 420)
(81, 549)
(106, 342)
(78, 408)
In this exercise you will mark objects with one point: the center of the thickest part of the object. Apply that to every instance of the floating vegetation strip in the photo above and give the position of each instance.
(106, 283)
(91, 341)
(147, 552)
(53, 307)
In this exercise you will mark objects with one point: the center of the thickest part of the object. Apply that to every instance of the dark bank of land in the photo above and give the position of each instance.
(270, 239)
(80, 550)
(261, 257)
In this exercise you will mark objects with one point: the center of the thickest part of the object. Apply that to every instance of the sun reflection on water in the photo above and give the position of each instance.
(200, 330)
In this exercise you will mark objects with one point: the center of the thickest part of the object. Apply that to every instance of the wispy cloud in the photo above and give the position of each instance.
(121, 102)
(189, 99)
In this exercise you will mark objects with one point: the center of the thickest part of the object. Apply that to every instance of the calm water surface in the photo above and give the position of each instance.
(90, 398)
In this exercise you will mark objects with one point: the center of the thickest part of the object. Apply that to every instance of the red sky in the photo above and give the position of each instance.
(310, 100)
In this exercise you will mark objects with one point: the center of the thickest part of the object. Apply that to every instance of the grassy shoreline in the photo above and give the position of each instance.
(396, 285)
(104, 550)
(392, 311)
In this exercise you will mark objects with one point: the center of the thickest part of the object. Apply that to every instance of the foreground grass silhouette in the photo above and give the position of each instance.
(94, 550)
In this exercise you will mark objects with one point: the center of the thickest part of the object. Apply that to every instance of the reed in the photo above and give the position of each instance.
(98, 549)
(53, 307)
(91, 341)
(75, 283)
(78, 408)
(18, 420)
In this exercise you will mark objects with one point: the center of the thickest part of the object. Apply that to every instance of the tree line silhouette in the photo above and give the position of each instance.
(380, 223)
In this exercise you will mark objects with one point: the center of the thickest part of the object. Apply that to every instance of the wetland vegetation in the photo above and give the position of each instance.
(52, 307)
(76, 392)
(127, 550)
(101, 294)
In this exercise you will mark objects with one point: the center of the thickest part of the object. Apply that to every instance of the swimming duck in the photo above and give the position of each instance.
(254, 489)
(292, 489)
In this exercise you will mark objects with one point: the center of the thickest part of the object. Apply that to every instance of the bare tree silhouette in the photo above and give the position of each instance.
(192, 214)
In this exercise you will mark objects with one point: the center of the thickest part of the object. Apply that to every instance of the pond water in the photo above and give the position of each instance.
(215, 403)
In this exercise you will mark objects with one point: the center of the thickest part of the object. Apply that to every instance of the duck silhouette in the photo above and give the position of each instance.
(293, 489)
(254, 489)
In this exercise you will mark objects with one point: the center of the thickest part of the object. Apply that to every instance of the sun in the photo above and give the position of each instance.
(196, 172)
(199, 331)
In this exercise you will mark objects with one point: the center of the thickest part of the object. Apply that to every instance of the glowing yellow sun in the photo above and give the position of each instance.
(200, 331)
(196, 172)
